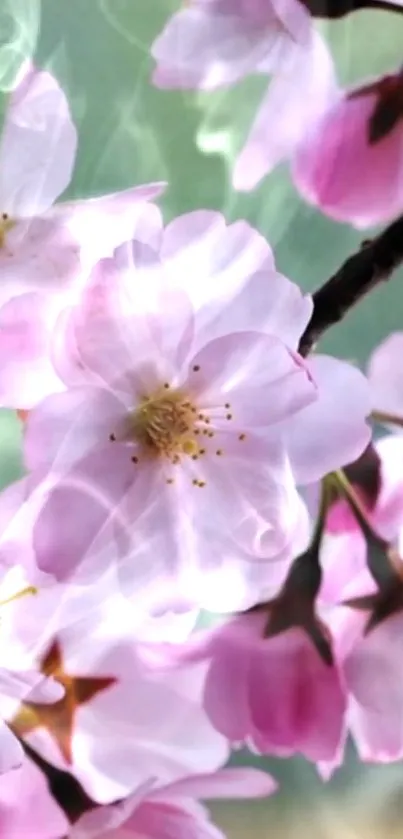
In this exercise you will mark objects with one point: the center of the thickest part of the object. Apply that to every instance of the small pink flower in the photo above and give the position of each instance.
(370, 666)
(367, 644)
(46, 250)
(209, 44)
(298, 96)
(161, 812)
(350, 164)
(118, 723)
(189, 415)
(275, 694)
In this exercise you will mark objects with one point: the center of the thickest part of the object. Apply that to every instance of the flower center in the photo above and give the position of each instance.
(6, 223)
(165, 424)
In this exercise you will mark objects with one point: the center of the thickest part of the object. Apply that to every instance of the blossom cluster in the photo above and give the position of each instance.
(184, 454)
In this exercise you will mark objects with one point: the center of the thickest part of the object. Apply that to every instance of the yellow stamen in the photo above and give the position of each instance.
(18, 595)
(6, 224)
(164, 424)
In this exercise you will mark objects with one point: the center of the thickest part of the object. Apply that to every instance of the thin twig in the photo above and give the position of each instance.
(372, 264)
(340, 8)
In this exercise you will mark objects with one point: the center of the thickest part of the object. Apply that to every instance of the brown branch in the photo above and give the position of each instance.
(372, 264)
(339, 8)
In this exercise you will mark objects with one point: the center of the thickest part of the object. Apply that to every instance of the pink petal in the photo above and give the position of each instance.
(38, 146)
(166, 821)
(337, 169)
(267, 302)
(332, 431)
(66, 426)
(385, 374)
(101, 820)
(99, 225)
(234, 782)
(254, 373)
(253, 488)
(302, 89)
(201, 246)
(118, 331)
(39, 254)
(26, 373)
(14, 528)
(373, 676)
(234, 285)
(27, 808)
(343, 558)
(81, 515)
(11, 751)
(228, 677)
(216, 44)
(144, 743)
(302, 708)
(388, 512)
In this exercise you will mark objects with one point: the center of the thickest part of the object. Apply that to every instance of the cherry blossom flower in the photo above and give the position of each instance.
(275, 694)
(118, 722)
(369, 660)
(296, 100)
(27, 807)
(350, 165)
(164, 425)
(210, 44)
(46, 251)
(161, 812)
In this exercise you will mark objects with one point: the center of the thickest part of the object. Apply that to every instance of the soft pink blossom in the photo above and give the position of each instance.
(196, 332)
(369, 662)
(371, 671)
(210, 43)
(297, 97)
(27, 809)
(139, 725)
(46, 251)
(161, 812)
(275, 693)
(351, 164)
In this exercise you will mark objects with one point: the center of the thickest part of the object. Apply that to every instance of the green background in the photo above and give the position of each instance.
(131, 133)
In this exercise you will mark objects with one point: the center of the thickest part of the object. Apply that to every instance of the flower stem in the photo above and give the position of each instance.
(342, 484)
(385, 417)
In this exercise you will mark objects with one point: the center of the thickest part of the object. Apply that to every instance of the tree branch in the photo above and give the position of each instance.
(340, 8)
(372, 264)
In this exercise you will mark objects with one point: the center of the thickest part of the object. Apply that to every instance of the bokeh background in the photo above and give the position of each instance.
(131, 133)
